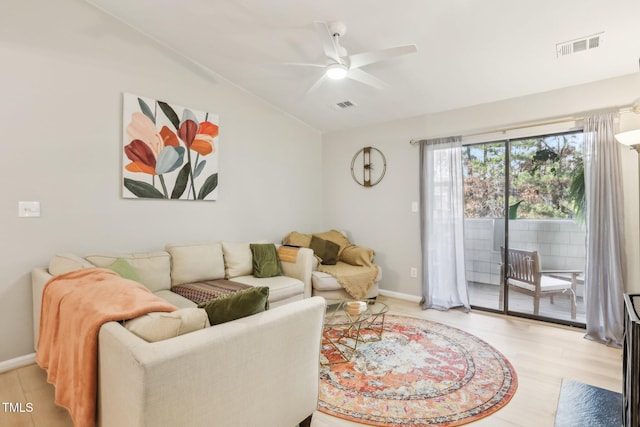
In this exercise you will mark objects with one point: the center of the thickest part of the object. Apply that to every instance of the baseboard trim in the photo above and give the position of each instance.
(17, 362)
(399, 295)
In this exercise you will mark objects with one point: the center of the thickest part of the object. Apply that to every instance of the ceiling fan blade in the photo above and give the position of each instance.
(361, 59)
(366, 78)
(316, 85)
(328, 43)
(302, 64)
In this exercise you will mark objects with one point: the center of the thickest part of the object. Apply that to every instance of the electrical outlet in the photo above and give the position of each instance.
(413, 272)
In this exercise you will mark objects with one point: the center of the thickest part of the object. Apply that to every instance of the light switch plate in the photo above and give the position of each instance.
(28, 209)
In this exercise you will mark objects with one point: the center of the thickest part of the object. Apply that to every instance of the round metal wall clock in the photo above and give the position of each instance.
(368, 166)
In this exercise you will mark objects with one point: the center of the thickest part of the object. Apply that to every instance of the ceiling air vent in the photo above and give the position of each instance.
(343, 105)
(579, 45)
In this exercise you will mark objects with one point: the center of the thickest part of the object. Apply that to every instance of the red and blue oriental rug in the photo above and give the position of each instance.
(420, 373)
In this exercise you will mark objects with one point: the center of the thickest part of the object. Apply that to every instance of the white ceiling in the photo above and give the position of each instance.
(469, 51)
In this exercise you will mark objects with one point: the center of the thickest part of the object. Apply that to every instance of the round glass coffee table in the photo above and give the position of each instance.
(343, 331)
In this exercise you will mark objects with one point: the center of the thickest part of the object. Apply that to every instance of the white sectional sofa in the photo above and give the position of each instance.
(258, 370)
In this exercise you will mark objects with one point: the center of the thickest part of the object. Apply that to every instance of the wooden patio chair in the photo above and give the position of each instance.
(525, 276)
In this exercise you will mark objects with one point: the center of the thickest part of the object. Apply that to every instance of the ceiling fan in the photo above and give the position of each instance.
(340, 65)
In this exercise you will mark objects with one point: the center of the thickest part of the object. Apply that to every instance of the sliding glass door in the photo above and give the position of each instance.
(484, 227)
(523, 227)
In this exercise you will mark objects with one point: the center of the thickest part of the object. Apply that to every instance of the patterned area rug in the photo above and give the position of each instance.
(420, 373)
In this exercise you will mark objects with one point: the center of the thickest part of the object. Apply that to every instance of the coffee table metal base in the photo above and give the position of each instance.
(346, 341)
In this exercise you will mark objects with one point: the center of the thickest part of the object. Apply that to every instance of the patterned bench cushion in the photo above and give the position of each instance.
(207, 290)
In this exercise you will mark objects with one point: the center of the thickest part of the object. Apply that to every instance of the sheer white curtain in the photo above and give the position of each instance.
(604, 273)
(442, 224)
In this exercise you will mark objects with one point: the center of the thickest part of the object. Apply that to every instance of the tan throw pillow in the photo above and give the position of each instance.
(297, 239)
(357, 255)
(158, 326)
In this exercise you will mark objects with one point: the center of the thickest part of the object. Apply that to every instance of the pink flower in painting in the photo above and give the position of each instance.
(150, 151)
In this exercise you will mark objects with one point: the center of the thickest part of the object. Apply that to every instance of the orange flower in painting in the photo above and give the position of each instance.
(203, 142)
(198, 138)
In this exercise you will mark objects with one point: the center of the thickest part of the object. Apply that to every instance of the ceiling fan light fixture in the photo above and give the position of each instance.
(336, 71)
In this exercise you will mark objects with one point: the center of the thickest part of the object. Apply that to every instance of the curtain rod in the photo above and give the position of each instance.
(634, 108)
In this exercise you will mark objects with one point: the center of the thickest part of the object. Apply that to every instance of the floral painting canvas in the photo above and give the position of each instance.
(169, 152)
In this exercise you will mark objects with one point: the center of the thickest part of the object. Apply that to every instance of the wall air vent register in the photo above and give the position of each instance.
(579, 45)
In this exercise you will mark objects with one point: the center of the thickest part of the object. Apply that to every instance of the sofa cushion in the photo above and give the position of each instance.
(265, 260)
(175, 299)
(280, 287)
(195, 261)
(324, 281)
(238, 260)
(66, 263)
(124, 269)
(237, 305)
(158, 326)
(326, 250)
(153, 268)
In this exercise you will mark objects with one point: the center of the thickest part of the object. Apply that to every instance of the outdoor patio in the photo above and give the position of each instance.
(560, 244)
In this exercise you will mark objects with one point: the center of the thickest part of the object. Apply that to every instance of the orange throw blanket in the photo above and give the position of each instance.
(74, 307)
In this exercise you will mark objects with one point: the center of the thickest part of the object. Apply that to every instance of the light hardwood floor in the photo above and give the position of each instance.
(542, 355)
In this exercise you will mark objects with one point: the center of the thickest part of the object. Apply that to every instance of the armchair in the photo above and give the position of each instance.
(525, 276)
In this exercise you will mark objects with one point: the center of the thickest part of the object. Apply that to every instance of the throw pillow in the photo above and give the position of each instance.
(357, 255)
(265, 260)
(297, 239)
(237, 305)
(334, 236)
(124, 269)
(326, 250)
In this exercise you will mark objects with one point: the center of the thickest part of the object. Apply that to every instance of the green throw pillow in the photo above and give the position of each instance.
(265, 260)
(124, 269)
(326, 250)
(237, 305)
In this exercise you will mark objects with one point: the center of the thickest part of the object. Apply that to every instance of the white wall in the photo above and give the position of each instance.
(64, 68)
(380, 216)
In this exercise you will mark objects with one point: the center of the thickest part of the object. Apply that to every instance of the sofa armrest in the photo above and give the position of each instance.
(259, 370)
(301, 269)
(39, 277)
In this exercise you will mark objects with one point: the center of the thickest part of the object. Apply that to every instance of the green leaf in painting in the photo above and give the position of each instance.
(209, 185)
(144, 107)
(142, 189)
(171, 115)
(199, 168)
(181, 181)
